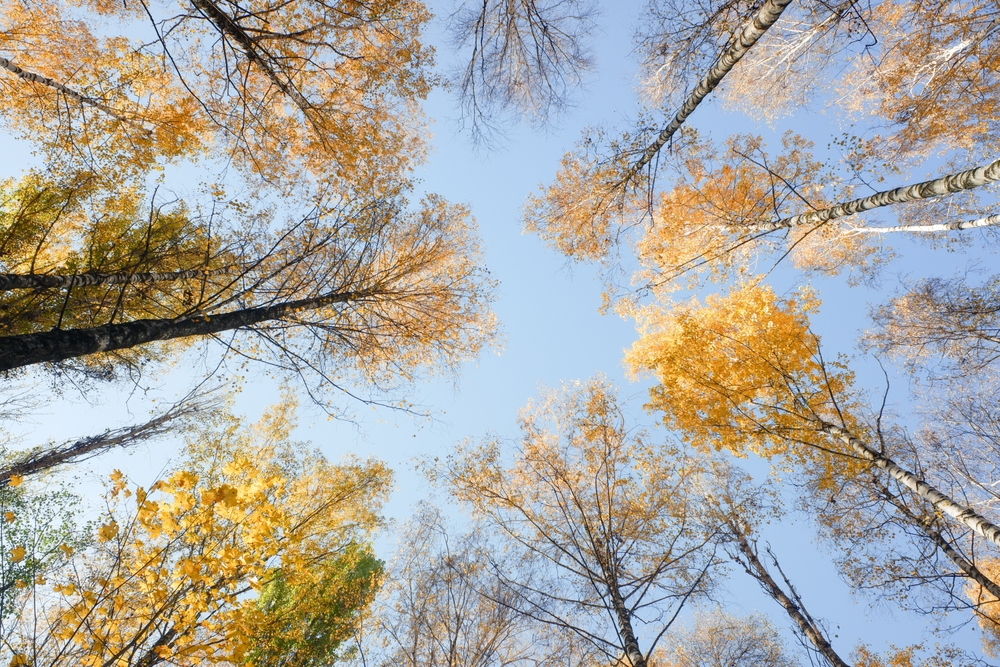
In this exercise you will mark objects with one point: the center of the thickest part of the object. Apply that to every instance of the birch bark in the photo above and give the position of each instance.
(987, 221)
(940, 501)
(12, 281)
(965, 180)
(961, 562)
(752, 32)
(65, 90)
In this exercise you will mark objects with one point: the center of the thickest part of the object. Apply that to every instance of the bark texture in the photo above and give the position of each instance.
(965, 180)
(752, 32)
(57, 345)
(962, 513)
(12, 281)
(967, 567)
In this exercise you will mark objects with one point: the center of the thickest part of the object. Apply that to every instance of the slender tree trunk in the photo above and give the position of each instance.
(57, 345)
(12, 281)
(65, 90)
(35, 462)
(753, 31)
(963, 513)
(987, 221)
(965, 180)
(631, 644)
(794, 609)
(966, 566)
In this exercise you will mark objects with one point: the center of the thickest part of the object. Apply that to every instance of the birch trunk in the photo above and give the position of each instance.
(65, 90)
(757, 570)
(753, 31)
(965, 180)
(967, 567)
(12, 281)
(630, 643)
(988, 221)
(57, 345)
(938, 500)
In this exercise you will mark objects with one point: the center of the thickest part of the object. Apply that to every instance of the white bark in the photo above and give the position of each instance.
(65, 90)
(988, 221)
(753, 31)
(965, 180)
(962, 513)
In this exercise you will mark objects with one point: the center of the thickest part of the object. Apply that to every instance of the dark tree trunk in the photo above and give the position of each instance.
(58, 345)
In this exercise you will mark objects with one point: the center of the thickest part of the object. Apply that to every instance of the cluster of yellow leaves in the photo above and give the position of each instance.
(178, 564)
(936, 76)
(590, 203)
(741, 373)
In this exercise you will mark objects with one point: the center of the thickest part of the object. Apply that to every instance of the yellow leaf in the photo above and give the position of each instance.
(15, 480)
(9, 517)
(17, 554)
(108, 531)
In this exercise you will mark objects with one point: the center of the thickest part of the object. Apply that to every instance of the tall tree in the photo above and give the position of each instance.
(745, 374)
(601, 510)
(444, 606)
(371, 288)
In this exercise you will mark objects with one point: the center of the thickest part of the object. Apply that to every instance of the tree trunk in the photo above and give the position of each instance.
(753, 31)
(987, 221)
(35, 462)
(964, 514)
(629, 642)
(756, 569)
(57, 345)
(966, 180)
(68, 92)
(966, 566)
(230, 28)
(12, 281)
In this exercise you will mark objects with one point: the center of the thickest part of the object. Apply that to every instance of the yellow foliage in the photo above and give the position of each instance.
(248, 507)
(741, 373)
(17, 554)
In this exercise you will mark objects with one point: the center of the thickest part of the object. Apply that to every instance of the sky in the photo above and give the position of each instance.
(553, 332)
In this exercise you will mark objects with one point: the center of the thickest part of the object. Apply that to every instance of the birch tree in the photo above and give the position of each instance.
(521, 57)
(945, 326)
(443, 605)
(744, 374)
(601, 510)
(369, 289)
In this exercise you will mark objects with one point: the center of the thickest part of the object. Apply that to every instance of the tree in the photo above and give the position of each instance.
(324, 89)
(524, 56)
(371, 289)
(25, 463)
(202, 565)
(719, 639)
(602, 511)
(442, 605)
(744, 374)
(943, 323)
